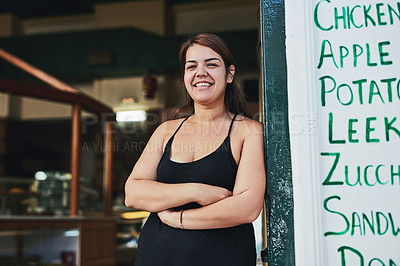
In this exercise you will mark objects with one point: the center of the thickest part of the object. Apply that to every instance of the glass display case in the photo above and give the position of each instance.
(53, 188)
(47, 193)
(35, 228)
(15, 195)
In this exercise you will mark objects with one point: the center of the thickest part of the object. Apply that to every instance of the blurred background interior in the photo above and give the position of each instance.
(121, 56)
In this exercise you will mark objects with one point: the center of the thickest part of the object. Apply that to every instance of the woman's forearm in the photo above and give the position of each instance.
(231, 211)
(154, 196)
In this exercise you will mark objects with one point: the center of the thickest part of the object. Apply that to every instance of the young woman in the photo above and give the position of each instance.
(201, 177)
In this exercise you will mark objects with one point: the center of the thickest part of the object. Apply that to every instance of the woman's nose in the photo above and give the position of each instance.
(201, 72)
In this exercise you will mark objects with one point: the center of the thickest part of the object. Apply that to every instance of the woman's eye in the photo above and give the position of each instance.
(190, 67)
(212, 65)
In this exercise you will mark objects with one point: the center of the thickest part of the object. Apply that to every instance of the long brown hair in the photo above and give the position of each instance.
(234, 97)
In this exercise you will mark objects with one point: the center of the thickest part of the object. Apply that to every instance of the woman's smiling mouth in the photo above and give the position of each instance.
(203, 85)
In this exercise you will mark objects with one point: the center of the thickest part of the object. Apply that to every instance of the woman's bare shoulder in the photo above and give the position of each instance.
(245, 131)
(247, 126)
(170, 125)
(167, 128)
(162, 133)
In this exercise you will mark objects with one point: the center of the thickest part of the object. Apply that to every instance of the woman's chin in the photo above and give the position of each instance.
(202, 101)
(202, 96)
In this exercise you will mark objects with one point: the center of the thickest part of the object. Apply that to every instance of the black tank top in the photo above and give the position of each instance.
(162, 245)
(217, 168)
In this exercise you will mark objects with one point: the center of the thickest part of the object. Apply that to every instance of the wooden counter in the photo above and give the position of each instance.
(97, 236)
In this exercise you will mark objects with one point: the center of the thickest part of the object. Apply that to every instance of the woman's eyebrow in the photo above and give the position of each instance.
(211, 59)
(207, 60)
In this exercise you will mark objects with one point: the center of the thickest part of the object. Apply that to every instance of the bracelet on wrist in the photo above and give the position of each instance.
(181, 220)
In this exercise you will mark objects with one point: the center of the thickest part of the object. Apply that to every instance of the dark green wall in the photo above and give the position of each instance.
(132, 51)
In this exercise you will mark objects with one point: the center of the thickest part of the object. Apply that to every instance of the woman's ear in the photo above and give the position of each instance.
(231, 74)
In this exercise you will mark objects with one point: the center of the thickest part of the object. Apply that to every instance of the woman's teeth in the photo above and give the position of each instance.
(203, 84)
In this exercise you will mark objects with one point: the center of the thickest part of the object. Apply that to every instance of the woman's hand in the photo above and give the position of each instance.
(207, 194)
(169, 217)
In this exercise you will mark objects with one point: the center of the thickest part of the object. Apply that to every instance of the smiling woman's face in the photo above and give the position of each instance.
(205, 75)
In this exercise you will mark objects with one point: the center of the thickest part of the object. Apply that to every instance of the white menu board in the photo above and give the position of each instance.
(343, 62)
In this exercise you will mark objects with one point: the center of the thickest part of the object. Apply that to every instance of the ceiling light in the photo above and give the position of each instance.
(131, 116)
